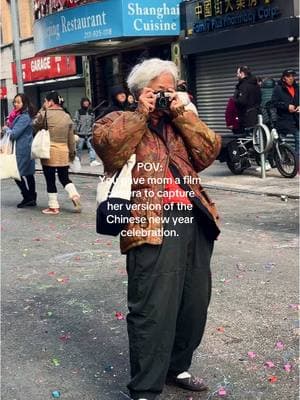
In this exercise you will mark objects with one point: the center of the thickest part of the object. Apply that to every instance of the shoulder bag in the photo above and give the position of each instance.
(40, 147)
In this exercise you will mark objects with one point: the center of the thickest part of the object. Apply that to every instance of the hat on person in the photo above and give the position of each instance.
(116, 90)
(288, 72)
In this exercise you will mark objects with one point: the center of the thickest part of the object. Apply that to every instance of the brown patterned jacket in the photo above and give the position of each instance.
(189, 145)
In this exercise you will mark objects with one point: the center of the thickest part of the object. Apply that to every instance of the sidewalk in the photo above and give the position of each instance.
(218, 176)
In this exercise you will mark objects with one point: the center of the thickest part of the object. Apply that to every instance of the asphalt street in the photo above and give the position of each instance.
(64, 302)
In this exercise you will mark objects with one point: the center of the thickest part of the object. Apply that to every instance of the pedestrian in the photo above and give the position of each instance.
(168, 264)
(247, 98)
(231, 117)
(285, 99)
(185, 96)
(84, 119)
(118, 101)
(62, 151)
(19, 127)
(131, 103)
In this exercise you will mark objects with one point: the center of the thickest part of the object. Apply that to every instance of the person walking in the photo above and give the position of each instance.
(285, 99)
(168, 264)
(84, 119)
(62, 150)
(19, 127)
(247, 99)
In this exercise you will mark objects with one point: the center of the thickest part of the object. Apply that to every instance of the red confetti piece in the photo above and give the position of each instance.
(220, 329)
(119, 315)
(272, 379)
(77, 258)
(51, 273)
(65, 338)
(36, 239)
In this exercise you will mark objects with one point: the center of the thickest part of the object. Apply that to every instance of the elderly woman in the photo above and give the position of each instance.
(169, 239)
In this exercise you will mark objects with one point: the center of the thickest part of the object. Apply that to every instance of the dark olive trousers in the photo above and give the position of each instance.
(169, 289)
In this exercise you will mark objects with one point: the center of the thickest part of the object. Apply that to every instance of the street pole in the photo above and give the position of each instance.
(16, 39)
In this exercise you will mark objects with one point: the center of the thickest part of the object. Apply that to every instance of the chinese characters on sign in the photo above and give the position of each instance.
(212, 15)
(210, 8)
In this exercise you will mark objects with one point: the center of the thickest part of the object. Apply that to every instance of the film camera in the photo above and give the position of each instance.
(163, 100)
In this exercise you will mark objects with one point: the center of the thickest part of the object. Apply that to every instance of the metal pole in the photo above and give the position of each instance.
(17, 49)
(261, 145)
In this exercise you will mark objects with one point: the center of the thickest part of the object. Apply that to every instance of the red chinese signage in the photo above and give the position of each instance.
(43, 68)
(3, 92)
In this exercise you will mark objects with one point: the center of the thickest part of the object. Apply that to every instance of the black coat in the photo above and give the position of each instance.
(287, 122)
(247, 98)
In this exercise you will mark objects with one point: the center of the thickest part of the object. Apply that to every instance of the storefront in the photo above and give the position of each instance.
(60, 73)
(114, 34)
(218, 36)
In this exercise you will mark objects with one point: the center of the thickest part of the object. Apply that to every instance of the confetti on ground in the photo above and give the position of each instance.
(49, 313)
(251, 354)
(51, 273)
(287, 367)
(295, 306)
(269, 266)
(55, 394)
(55, 362)
(269, 364)
(221, 329)
(65, 338)
(119, 315)
(222, 392)
(63, 280)
(272, 379)
(279, 345)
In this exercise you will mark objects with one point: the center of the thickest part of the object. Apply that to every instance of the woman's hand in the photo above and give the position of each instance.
(146, 102)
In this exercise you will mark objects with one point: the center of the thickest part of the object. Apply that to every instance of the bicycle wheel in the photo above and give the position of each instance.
(286, 160)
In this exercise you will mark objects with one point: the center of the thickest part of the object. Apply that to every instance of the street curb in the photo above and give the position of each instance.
(208, 186)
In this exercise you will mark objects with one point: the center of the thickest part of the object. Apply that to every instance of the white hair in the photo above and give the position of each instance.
(144, 72)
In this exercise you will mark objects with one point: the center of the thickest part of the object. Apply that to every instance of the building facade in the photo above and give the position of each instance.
(113, 34)
(217, 36)
(40, 74)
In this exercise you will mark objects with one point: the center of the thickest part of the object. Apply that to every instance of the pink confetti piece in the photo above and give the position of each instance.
(119, 315)
(295, 306)
(77, 258)
(51, 273)
(251, 354)
(221, 329)
(279, 345)
(65, 338)
(269, 364)
(287, 367)
(222, 392)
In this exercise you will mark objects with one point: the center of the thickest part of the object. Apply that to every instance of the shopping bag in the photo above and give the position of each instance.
(8, 165)
(113, 198)
(40, 147)
(6, 144)
(75, 166)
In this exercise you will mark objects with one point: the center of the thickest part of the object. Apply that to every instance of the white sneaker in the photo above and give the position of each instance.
(267, 167)
(95, 163)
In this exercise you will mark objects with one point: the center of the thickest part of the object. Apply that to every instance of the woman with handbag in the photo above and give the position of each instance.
(62, 151)
(19, 128)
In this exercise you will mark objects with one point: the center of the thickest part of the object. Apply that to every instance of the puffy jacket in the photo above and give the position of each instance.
(189, 146)
(287, 122)
(84, 119)
(247, 98)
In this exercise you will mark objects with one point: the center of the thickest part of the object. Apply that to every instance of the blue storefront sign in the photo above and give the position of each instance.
(107, 20)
